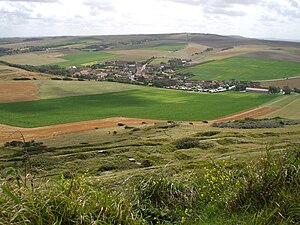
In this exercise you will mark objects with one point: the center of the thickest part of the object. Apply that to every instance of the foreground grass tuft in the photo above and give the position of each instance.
(264, 191)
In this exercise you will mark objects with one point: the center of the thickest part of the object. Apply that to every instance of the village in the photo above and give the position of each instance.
(162, 75)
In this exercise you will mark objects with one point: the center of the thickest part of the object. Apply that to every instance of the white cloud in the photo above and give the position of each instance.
(259, 18)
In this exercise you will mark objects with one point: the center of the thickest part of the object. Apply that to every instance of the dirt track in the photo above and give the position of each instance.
(17, 91)
(9, 133)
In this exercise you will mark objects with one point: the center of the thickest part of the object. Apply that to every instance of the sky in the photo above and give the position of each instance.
(276, 19)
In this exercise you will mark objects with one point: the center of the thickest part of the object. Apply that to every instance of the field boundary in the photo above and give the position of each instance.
(10, 133)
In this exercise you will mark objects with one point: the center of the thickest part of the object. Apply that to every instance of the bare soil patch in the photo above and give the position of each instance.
(291, 82)
(17, 91)
(10, 133)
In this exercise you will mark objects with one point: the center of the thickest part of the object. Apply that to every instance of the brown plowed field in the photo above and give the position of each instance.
(291, 82)
(17, 91)
(9, 133)
(253, 113)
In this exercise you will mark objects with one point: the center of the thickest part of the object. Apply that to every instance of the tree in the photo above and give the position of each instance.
(274, 90)
(286, 90)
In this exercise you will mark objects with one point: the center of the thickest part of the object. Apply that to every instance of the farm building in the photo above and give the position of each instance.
(257, 90)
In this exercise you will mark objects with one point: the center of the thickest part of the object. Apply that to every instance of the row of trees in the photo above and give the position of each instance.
(49, 69)
(274, 90)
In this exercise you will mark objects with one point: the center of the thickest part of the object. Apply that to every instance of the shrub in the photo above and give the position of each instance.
(206, 145)
(250, 123)
(146, 163)
(208, 133)
(21, 78)
(186, 143)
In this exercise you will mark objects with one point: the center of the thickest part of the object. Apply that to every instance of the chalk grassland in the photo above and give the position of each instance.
(85, 58)
(8, 73)
(57, 89)
(144, 103)
(285, 107)
(291, 82)
(242, 68)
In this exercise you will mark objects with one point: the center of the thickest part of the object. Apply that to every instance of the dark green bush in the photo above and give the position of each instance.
(186, 143)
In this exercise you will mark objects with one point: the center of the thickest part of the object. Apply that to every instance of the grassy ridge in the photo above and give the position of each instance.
(242, 68)
(81, 58)
(168, 47)
(144, 103)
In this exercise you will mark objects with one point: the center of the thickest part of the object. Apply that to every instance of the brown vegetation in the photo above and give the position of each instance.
(10, 133)
(16, 91)
(291, 82)
(9, 73)
(253, 113)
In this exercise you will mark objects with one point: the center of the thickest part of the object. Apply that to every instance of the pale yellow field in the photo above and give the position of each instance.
(8, 73)
(187, 52)
(31, 59)
(137, 54)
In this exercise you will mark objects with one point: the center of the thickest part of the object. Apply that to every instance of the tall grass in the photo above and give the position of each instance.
(262, 191)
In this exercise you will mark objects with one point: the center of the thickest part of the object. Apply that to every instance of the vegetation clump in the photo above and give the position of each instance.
(250, 123)
(208, 133)
(264, 191)
(186, 143)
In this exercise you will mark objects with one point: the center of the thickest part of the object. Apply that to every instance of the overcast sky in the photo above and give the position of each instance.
(250, 18)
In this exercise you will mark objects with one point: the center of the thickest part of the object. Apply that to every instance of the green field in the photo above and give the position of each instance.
(57, 89)
(144, 103)
(168, 47)
(73, 41)
(242, 68)
(79, 59)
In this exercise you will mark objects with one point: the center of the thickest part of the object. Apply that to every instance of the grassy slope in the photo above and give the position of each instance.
(286, 107)
(242, 68)
(168, 47)
(176, 175)
(58, 89)
(81, 58)
(144, 103)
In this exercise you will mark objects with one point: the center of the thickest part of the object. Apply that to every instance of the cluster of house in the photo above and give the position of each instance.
(133, 71)
(146, 73)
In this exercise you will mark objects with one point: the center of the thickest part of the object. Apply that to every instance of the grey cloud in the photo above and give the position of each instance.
(283, 11)
(217, 3)
(29, 1)
(97, 6)
(295, 3)
(224, 12)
